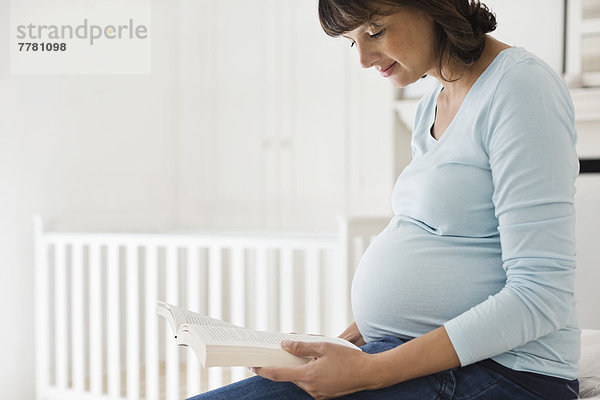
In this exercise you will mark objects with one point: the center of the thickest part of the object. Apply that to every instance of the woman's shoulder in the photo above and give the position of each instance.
(519, 70)
(527, 94)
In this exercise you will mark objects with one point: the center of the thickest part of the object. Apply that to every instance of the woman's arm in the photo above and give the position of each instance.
(425, 355)
(530, 142)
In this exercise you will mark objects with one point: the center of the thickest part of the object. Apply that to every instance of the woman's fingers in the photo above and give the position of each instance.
(303, 349)
(291, 374)
(335, 370)
(278, 374)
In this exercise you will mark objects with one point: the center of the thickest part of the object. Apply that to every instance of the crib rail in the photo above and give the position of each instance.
(97, 334)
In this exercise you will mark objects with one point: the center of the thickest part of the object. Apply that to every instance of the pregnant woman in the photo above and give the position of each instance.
(469, 291)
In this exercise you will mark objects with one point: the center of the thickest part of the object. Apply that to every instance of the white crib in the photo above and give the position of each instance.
(97, 335)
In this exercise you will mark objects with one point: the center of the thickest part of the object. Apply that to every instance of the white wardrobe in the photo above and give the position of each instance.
(279, 125)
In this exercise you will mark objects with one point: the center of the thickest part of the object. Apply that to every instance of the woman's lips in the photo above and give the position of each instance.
(388, 71)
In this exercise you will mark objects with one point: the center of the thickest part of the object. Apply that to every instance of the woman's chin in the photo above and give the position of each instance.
(402, 81)
(399, 82)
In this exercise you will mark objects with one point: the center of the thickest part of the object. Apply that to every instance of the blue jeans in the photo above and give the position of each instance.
(470, 382)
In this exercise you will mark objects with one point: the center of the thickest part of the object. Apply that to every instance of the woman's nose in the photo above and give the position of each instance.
(366, 57)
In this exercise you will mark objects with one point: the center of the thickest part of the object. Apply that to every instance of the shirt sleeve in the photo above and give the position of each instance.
(531, 146)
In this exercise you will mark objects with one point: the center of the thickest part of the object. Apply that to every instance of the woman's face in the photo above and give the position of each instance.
(399, 46)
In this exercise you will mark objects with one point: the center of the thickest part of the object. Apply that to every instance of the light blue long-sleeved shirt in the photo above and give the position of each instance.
(482, 240)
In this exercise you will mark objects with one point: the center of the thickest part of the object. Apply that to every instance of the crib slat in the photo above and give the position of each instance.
(238, 283)
(133, 328)
(238, 300)
(171, 350)
(193, 301)
(262, 290)
(273, 283)
(60, 315)
(95, 319)
(215, 305)
(286, 312)
(42, 310)
(113, 343)
(203, 279)
(77, 303)
(151, 324)
(312, 283)
(215, 276)
(333, 302)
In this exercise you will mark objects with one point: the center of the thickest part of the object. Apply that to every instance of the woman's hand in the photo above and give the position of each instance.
(353, 335)
(335, 370)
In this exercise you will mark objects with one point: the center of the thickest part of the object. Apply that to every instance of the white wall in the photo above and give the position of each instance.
(96, 151)
(587, 200)
(533, 24)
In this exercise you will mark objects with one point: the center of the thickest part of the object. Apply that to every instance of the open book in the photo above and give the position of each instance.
(219, 343)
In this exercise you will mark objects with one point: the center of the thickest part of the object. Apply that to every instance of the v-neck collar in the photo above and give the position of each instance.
(465, 101)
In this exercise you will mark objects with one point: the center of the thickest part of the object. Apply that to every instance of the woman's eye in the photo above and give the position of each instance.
(378, 34)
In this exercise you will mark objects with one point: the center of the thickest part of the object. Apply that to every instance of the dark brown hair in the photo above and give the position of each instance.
(459, 25)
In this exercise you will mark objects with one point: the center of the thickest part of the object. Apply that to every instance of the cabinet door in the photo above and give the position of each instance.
(222, 112)
(337, 126)
(280, 127)
(312, 110)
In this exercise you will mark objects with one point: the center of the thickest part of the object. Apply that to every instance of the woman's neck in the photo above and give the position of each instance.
(455, 92)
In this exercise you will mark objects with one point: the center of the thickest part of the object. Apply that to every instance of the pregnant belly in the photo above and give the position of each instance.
(410, 280)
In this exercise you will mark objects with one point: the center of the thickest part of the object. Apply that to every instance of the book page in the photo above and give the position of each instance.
(163, 309)
(178, 316)
(194, 318)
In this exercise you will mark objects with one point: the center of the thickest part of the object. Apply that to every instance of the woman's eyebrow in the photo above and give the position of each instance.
(374, 24)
